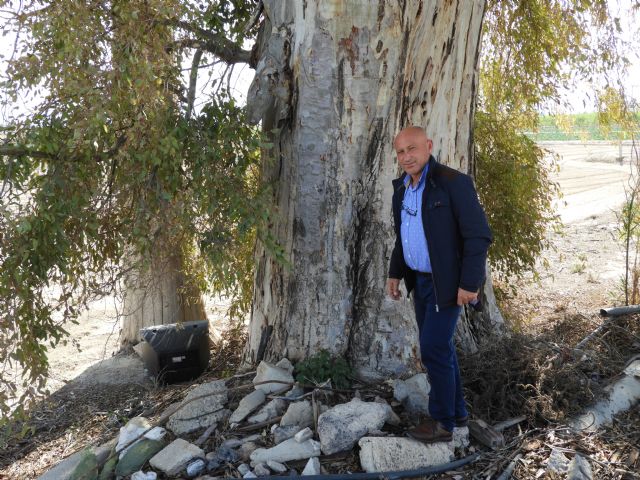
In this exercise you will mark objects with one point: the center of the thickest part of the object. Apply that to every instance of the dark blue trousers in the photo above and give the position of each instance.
(436, 329)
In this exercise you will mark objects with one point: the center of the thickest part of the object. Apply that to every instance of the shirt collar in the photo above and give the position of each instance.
(423, 175)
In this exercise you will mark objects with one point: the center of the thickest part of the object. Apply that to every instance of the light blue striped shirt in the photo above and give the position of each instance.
(414, 242)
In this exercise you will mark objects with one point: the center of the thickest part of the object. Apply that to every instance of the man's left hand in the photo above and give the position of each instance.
(465, 297)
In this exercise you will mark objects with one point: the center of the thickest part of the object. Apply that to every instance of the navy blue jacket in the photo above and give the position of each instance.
(456, 229)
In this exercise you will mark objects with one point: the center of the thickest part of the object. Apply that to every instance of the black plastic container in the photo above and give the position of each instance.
(177, 352)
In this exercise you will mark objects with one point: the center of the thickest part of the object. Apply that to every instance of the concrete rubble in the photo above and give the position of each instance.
(204, 439)
(342, 426)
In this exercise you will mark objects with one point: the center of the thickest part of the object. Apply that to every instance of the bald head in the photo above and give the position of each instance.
(413, 149)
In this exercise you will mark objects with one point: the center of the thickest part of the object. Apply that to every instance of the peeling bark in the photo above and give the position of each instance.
(354, 72)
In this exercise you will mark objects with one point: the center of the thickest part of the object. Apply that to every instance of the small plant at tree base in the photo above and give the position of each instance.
(322, 367)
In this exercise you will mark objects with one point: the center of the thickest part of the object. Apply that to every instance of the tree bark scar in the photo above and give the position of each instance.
(351, 48)
(419, 12)
(372, 148)
(265, 335)
(435, 16)
(450, 40)
(400, 107)
(380, 12)
(340, 93)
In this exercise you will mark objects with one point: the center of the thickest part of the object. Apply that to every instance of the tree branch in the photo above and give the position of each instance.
(17, 151)
(218, 45)
(191, 94)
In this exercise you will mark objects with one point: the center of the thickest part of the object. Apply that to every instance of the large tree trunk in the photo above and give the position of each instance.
(336, 80)
(160, 294)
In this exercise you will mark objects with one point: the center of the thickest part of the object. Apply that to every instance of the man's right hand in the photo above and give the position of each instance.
(393, 288)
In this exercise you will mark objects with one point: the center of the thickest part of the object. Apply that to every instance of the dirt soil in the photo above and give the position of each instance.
(96, 389)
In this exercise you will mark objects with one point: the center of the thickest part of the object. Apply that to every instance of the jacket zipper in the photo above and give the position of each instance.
(426, 236)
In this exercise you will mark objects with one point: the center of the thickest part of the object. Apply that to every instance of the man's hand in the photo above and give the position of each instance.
(393, 288)
(465, 297)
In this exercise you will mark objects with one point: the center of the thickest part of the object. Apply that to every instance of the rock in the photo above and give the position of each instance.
(135, 456)
(79, 466)
(134, 431)
(276, 466)
(175, 456)
(280, 434)
(243, 468)
(342, 426)
(303, 435)
(295, 392)
(108, 470)
(287, 451)
(272, 409)
(413, 393)
(298, 413)
(247, 405)
(249, 474)
(285, 364)
(213, 464)
(245, 451)
(461, 437)
(140, 475)
(196, 467)
(312, 467)
(226, 454)
(266, 372)
(203, 412)
(557, 462)
(385, 454)
(393, 419)
(579, 469)
(261, 470)
(236, 442)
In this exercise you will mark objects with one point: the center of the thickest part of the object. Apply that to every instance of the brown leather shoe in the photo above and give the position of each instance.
(430, 431)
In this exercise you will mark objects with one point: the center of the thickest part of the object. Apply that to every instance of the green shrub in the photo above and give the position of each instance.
(322, 367)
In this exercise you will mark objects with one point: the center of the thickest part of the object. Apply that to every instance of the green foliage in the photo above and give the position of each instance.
(322, 367)
(582, 127)
(106, 171)
(514, 185)
(531, 49)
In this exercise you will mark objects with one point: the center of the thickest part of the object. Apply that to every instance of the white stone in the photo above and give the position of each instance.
(287, 451)
(249, 475)
(285, 364)
(298, 413)
(276, 466)
(413, 393)
(266, 372)
(175, 456)
(557, 462)
(342, 426)
(461, 437)
(247, 405)
(243, 468)
(303, 435)
(579, 469)
(140, 475)
(386, 454)
(280, 434)
(261, 470)
(272, 409)
(201, 413)
(312, 467)
(134, 431)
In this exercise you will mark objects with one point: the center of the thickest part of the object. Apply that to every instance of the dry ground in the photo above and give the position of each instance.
(95, 391)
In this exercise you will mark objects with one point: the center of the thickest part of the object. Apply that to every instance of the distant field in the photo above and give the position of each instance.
(581, 126)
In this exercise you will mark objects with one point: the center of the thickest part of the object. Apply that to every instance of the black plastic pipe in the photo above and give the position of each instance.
(419, 472)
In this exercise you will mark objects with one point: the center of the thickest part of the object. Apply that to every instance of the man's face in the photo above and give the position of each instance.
(413, 149)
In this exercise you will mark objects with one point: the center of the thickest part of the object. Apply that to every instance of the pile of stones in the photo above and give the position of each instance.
(293, 426)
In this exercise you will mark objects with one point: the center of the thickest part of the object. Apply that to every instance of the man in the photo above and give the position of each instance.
(442, 237)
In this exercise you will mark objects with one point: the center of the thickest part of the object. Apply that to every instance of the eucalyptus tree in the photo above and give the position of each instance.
(114, 175)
